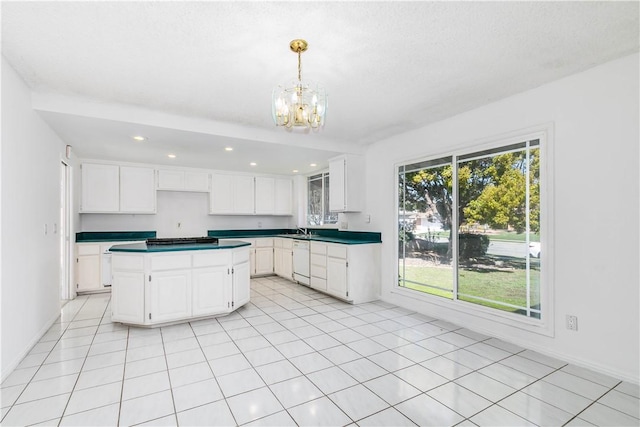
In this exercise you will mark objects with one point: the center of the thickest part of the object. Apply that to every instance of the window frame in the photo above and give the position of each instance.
(545, 325)
(325, 174)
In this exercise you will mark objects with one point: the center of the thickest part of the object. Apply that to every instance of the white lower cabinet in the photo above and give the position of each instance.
(92, 273)
(318, 266)
(170, 295)
(88, 273)
(337, 277)
(154, 289)
(210, 290)
(348, 272)
(263, 261)
(241, 292)
(283, 258)
(127, 297)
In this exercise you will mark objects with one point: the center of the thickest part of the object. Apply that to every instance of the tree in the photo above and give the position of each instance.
(491, 190)
(502, 202)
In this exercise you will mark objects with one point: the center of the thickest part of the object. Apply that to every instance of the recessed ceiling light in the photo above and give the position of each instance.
(228, 148)
(295, 171)
(171, 156)
(253, 163)
(313, 165)
(139, 138)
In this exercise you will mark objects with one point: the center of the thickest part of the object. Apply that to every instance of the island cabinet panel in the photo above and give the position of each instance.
(170, 295)
(241, 288)
(211, 290)
(127, 297)
(153, 288)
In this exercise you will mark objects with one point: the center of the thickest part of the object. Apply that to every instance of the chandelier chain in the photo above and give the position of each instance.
(299, 66)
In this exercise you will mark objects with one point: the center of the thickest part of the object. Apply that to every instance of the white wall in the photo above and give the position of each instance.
(188, 209)
(31, 155)
(596, 183)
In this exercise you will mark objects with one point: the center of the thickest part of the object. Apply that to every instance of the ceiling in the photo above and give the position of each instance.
(195, 77)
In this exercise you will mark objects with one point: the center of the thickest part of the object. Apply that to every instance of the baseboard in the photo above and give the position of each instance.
(31, 344)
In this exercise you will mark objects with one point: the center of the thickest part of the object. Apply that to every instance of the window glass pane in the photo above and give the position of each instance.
(534, 224)
(424, 224)
(314, 207)
(495, 232)
(329, 217)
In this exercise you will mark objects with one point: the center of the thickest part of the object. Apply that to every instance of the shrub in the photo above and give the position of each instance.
(472, 245)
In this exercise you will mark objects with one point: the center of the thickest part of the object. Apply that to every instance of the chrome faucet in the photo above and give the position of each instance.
(303, 231)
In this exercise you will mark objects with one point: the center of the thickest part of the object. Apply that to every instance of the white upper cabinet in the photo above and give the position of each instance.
(221, 198)
(177, 180)
(100, 188)
(283, 199)
(346, 181)
(117, 189)
(231, 194)
(265, 195)
(249, 195)
(244, 196)
(137, 190)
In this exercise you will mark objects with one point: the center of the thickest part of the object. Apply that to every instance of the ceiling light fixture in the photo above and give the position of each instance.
(313, 165)
(298, 103)
(252, 163)
(139, 138)
(295, 171)
(171, 156)
(228, 148)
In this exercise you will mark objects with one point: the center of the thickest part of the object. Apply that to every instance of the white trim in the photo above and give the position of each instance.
(545, 325)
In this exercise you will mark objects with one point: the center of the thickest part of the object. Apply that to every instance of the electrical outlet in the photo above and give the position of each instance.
(344, 225)
(179, 225)
(572, 322)
(259, 224)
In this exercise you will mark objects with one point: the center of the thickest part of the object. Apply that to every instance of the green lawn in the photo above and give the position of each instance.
(508, 286)
(511, 236)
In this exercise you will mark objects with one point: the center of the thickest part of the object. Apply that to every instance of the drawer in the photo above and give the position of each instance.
(317, 283)
(209, 259)
(318, 248)
(127, 262)
(85, 249)
(317, 271)
(264, 243)
(317, 259)
(287, 243)
(337, 251)
(170, 262)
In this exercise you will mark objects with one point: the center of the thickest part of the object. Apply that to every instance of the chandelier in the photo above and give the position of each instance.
(298, 103)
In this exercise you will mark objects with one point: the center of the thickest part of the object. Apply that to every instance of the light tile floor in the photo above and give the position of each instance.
(297, 357)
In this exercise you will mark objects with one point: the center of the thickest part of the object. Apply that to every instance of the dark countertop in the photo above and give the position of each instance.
(113, 236)
(317, 235)
(142, 247)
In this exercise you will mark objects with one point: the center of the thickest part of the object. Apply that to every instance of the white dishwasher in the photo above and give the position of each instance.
(301, 261)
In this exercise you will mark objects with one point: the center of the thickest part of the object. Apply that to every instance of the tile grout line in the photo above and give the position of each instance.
(42, 363)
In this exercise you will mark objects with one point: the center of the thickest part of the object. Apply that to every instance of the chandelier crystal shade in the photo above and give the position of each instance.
(299, 103)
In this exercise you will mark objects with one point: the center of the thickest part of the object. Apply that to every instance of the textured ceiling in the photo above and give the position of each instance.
(388, 66)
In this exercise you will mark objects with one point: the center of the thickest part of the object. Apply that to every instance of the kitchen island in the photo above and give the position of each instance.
(158, 284)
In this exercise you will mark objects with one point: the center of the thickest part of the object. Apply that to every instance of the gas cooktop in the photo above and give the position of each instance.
(182, 240)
